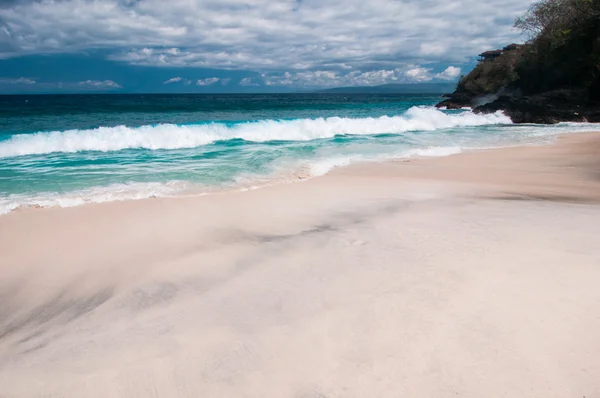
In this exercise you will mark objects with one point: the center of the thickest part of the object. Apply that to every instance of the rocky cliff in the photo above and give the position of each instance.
(554, 77)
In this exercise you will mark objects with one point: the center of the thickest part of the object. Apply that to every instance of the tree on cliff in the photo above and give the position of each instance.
(555, 18)
(554, 76)
(563, 51)
(564, 46)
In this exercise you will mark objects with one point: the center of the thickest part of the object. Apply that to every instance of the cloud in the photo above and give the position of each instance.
(450, 73)
(173, 80)
(98, 84)
(432, 49)
(268, 36)
(177, 79)
(249, 82)
(407, 74)
(20, 80)
(61, 85)
(418, 75)
(208, 81)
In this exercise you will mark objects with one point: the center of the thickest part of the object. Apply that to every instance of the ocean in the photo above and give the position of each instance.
(67, 150)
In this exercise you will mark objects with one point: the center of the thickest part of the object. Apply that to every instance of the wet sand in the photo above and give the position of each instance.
(471, 275)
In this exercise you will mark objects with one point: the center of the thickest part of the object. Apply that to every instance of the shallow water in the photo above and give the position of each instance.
(69, 149)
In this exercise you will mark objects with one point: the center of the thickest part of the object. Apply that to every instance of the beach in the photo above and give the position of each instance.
(471, 275)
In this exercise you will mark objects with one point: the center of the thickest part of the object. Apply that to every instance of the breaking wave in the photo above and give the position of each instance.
(171, 136)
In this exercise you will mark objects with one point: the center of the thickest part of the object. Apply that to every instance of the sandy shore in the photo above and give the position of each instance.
(415, 279)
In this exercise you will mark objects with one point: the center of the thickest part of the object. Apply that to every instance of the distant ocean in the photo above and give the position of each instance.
(67, 150)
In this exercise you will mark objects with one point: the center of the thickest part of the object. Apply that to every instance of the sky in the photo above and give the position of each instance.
(244, 45)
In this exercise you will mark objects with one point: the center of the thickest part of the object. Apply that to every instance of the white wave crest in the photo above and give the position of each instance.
(169, 136)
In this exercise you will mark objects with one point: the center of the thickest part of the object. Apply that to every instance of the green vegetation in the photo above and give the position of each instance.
(490, 76)
(563, 53)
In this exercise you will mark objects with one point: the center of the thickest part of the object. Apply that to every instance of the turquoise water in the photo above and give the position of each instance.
(68, 150)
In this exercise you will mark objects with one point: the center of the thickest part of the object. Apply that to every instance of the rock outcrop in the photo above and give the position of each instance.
(457, 100)
(564, 105)
(546, 108)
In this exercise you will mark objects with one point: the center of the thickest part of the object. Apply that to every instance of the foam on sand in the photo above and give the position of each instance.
(377, 280)
(100, 194)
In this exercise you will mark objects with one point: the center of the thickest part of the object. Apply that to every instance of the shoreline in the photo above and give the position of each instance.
(303, 176)
(566, 169)
(473, 275)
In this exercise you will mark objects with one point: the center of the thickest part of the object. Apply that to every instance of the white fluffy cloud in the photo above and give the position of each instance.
(418, 75)
(99, 84)
(451, 73)
(208, 81)
(249, 82)
(366, 40)
(405, 74)
(173, 80)
(177, 79)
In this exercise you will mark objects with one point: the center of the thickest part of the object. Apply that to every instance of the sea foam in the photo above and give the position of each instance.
(100, 194)
(287, 172)
(170, 136)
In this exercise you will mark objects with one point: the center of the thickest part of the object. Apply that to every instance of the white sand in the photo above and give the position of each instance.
(402, 279)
